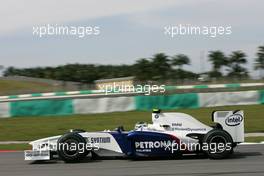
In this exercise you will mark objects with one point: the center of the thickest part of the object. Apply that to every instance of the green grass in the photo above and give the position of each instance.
(31, 128)
(254, 139)
(8, 87)
(15, 147)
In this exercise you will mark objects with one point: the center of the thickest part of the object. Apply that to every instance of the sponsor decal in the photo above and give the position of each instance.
(176, 124)
(36, 153)
(234, 120)
(173, 146)
(153, 144)
(188, 129)
(156, 116)
(99, 140)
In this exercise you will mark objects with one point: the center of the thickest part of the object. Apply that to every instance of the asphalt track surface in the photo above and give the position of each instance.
(247, 160)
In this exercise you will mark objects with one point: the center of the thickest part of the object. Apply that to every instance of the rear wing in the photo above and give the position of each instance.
(232, 122)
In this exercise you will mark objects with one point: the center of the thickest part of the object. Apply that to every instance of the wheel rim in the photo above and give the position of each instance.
(72, 147)
(217, 140)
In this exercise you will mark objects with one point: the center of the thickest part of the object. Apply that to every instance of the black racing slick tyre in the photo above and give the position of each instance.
(218, 144)
(71, 147)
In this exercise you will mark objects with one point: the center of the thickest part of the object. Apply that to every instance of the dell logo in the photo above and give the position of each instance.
(234, 120)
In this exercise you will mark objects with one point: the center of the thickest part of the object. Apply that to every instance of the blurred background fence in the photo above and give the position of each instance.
(15, 85)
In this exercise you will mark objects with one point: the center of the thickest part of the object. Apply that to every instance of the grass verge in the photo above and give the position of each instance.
(32, 128)
(11, 87)
(254, 139)
(15, 147)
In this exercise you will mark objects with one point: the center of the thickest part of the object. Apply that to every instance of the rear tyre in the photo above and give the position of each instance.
(219, 144)
(71, 147)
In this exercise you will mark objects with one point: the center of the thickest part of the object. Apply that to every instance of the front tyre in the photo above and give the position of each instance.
(219, 144)
(71, 147)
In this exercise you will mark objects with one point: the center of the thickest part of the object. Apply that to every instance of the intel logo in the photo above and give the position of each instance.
(234, 120)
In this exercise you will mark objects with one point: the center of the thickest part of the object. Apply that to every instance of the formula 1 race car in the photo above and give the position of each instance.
(170, 134)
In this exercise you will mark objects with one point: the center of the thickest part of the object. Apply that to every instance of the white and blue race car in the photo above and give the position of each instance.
(170, 135)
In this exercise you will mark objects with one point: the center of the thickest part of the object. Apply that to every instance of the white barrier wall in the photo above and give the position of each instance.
(228, 98)
(87, 105)
(103, 105)
(4, 109)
